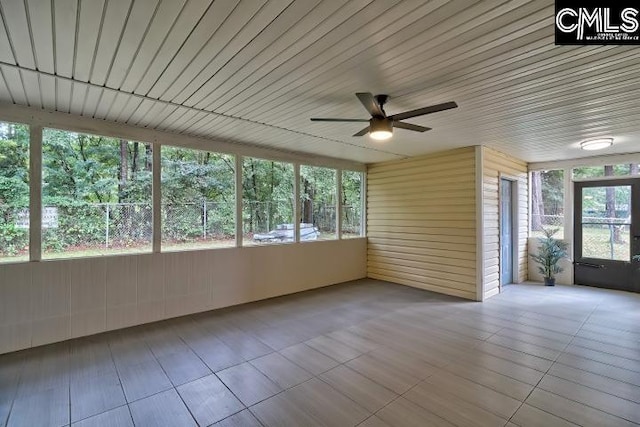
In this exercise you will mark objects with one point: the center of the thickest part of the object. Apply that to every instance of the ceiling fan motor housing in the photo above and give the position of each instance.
(381, 124)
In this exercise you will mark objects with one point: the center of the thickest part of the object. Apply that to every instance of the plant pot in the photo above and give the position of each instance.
(549, 281)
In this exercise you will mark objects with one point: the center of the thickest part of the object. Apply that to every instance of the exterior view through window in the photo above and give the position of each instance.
(14, 192)
(198, 199)
(267, 202)
(96, 195)
(606, 222)
(351, 204)
(317, 203)
(547, 202)
(606, 213)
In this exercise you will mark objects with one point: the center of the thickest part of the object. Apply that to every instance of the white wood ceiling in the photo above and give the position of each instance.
(255, 71)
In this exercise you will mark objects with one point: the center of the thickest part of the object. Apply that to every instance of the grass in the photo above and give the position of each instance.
(597, 243)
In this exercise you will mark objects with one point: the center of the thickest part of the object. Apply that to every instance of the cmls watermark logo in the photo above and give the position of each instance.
(597, 22)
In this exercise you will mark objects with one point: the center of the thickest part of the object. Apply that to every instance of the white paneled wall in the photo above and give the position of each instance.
(50, 301)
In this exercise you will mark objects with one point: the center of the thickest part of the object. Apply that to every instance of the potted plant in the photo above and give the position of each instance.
(550, 252)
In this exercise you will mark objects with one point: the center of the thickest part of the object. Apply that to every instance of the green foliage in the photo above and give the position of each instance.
(198, 194)
(14, 187)
(101, 183)
(267, 192)
(550, 252)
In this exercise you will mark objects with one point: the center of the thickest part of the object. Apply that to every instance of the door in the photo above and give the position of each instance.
(506, 231)
(607, 234)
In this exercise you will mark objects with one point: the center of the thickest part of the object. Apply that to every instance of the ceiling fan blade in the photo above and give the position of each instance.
(339, 120)
(423, 111)
(409, 126)
(370, 103)
(363, 132)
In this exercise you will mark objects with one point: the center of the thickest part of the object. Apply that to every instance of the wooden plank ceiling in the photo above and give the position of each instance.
(255, 71)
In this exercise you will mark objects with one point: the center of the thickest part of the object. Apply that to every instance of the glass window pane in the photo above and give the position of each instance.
(14, 192)
(351, 204)
(267, 202)
(606, 219)
(547, 202)
(587, 172)
(96, 195)
(198, 199)
(317, 203)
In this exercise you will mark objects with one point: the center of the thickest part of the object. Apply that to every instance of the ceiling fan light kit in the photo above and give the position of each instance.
(380, 129)
(380, 125)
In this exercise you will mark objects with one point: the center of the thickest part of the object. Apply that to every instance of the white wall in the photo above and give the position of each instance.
(50, 301)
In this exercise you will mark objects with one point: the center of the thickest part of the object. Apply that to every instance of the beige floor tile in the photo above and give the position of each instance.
(309, 359)
(326, 404)
(209, 400)
(164, 409)
(118, 417)
(248, 384)
(359, 388)
(451, 408)
(403, 413)
(484, 397)
(528, 416)
(280, 370)
(574, 412)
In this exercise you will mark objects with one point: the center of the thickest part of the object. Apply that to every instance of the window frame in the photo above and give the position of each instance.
(37, 120)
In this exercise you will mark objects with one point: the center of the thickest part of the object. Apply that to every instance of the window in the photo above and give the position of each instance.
(586, 172)
(351, 204)
(96, 195)
(606, 222)
(547, 202)
(317, 203)
(198, 199)
(267, 202)
(14, 192)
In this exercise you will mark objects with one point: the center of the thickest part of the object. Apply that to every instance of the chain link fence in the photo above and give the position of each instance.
(205, 220)
(14, 236)
(97, 225)
(351, 221)
(606, 238)
(88, 228)
(262, 217)
(540, 222)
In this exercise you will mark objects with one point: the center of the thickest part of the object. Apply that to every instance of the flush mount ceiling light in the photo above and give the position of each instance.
(380, 128)
(596, 144)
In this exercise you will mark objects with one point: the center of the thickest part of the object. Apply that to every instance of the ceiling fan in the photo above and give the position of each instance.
(380, 125)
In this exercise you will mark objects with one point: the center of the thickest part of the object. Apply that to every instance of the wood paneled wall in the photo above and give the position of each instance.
(421, 222)
(495, 165)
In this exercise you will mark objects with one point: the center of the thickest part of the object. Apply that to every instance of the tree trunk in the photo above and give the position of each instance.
(134, 160)
(257, 216)
(307, 202)
(124, 168)
(148, 157)
(610, 204)
(537, 204)
(122, 187)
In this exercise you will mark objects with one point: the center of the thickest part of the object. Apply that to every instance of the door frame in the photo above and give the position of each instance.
(515, 224)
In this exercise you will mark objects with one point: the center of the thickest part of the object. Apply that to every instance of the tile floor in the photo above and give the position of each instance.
(365, 353)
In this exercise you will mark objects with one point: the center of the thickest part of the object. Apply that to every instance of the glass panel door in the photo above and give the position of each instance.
(606, 234)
